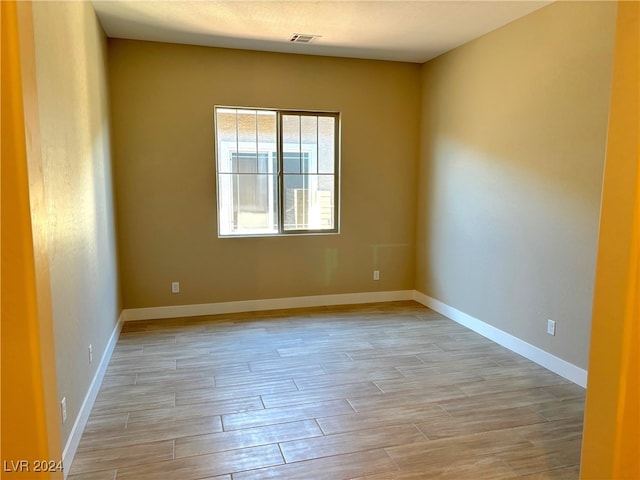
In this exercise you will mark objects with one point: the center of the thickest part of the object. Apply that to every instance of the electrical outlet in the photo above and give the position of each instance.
(63, 409)
(90, 354)
(551, 327)
(376, 274)
(175, 287)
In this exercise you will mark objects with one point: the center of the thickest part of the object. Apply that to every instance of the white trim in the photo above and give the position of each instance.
(150, 313)
(71, 447)
(557, 365)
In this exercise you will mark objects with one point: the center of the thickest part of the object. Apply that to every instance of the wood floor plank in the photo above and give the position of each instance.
(128, 401)
(303, 371)
(94, 475)
(380, 418)
(567, 391)
(442, 358)
(557, 410)
(327, 380)
(463, 449)
(539, 459)
(174, 351)
(413, 344)
(374, 353)
(106, 422)
(298, 361)
(468, 423)
(348, 391)
(512, 383)
(179, 376)
(475, 343)
(428, 381)
(107, 458)
(412, 475)
(217, 394)
(485, 468)
(117, 381)
(271, 416)
(212, 464)
(487, 401)
(246, 437)
(170, 382)
(130, 366)
(544, 433)
(210, 363)
(366, 403)
(565, 473)
(187, 412)
(150, 432)
(350, 442)
(338, 467)
(246, 354)
(453, 365)
(389, 361)
(322, 348)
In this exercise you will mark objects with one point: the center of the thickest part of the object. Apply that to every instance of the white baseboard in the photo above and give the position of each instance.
(557, 365)
(71, 447)
(265, 304)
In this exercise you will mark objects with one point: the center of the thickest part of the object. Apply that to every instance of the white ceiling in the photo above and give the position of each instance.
(410, 31)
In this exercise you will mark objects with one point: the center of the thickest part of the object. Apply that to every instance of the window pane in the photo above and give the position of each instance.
(248, 138)
(326, 201)
(291, 162)
(226, 138)
(291, 143)
(248, 203)
(309, 144)
(308, 202)
(245, 162)
(326, 144)
(308, 162)
(267, 142)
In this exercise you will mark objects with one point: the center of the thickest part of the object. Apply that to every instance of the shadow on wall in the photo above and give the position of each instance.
(513, 145)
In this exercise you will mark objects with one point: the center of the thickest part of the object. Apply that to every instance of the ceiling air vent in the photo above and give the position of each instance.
(303, 38)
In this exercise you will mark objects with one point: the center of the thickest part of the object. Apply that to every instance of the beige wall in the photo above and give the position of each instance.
(162, 109)
(512, 151)
(73, 105)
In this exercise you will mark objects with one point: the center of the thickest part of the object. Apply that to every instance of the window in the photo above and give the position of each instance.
(277, 171)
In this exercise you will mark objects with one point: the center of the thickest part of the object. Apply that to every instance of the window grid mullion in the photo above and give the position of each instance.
(300, 144)
(257, 153)
(279, 157)
(237, 178)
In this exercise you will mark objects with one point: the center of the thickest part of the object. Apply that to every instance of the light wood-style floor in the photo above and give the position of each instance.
(374, 392)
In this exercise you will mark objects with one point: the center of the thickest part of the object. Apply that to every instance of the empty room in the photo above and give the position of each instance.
(320, 240)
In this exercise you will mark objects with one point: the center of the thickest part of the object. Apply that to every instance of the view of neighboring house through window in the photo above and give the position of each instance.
(277, 171)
